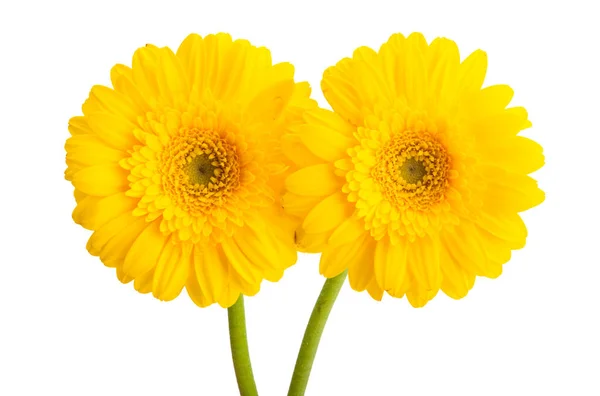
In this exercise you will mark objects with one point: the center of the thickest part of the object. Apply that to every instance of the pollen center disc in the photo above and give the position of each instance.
(413, 170)
(201, 169)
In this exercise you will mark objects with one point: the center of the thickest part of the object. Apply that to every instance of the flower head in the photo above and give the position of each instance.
(178, 169)
(415, 181)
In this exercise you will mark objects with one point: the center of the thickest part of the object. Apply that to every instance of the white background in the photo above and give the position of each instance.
(68, 327)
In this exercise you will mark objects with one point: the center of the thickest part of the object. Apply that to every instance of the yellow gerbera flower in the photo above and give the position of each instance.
(178, 169)
(416, 181)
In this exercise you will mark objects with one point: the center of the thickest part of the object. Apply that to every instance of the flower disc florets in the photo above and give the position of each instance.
(199, 170)
(412, 170)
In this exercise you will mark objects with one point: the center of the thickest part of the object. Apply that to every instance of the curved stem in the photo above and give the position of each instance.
(239, 349)
(312, 335)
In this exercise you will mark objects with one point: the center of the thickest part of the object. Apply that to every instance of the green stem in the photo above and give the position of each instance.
(239, 349)
(312, 335)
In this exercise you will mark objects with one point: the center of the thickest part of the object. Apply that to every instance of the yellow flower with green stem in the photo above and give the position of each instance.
(415, 181)
(178, 171)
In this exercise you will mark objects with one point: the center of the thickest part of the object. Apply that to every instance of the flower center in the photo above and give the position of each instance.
(412, 170)
(199, 170)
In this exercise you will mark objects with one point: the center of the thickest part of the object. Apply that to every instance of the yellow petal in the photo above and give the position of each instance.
(330, 120)
(267, 244)
(116, 103)
(419, 297)
(122, 79)
(508, 226)
(311, 243)
(263, 251)
(204, 60)
(443, 60)
(270, 102)
(194, 290)
(350, 230)
(423, 259)
(488, 102)
(93, 212)
(143, 284)
(335, 260)
(172, 79)
(102, 235)
(496, 97)
(316, 180)
(416, 71)
(509, 192)
(191, 54)
(506, 123)
(229, 296)
(393, 56)
(497, 250)
(361, 269)
(299, 205)
(116, 247)
(374, 290)
(390, 266)
(101, 180)
(325, 143)
(88, 150)
(211, 271)
(114, 130)
(457, 280)
(328, 214)
(233, 70)
(297, 152)
(144, 71)
(172, 270)
(338, 87)
(122, 277)
(463, 245)
(249, 273)
(515, 154)
(370, 81)
(472, 71)
(145, 251)
(79, 126)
